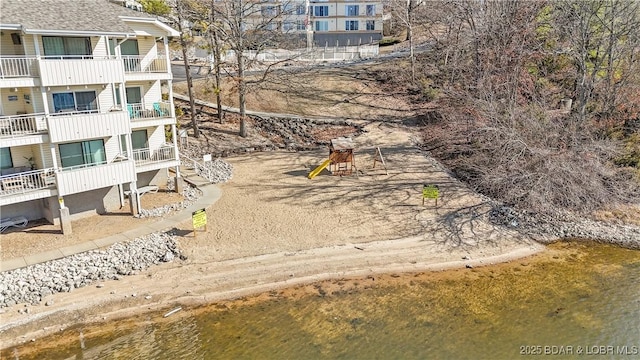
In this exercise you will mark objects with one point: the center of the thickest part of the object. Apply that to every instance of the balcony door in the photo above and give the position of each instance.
(134, 101)
(140, 144)
(134, 95)
(89, 152)
(75, 101)
(6, 162)
(131, 55)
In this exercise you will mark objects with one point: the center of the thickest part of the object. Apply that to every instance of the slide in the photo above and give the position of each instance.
(319, 169)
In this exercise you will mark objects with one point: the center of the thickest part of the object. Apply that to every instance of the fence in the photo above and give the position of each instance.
(316, 54)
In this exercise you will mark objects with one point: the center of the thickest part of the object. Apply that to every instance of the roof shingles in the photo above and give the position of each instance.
(68, 15)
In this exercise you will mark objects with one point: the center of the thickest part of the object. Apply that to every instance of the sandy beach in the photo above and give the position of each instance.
(274, 228)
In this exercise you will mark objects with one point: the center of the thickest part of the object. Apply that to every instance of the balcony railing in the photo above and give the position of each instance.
(65, 70)
(27, 66)
(20, 125)
(79, 178)
(86, 124)
(12, 67)
(27, 181)
(135, 63)
(148, 156)
(158, 110)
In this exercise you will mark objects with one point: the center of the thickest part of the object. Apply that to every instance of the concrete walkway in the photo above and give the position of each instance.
(210, 194)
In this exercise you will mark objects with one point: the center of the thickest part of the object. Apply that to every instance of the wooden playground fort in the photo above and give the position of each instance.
(342, 159)
(341, 155)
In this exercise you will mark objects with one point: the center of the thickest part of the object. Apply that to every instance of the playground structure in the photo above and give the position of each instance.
(319, 169)
(341, 158)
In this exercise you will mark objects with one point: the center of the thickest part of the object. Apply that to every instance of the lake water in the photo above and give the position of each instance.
(576, 300)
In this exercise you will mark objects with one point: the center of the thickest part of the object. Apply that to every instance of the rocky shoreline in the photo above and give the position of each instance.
(31, 284)
(546, 229)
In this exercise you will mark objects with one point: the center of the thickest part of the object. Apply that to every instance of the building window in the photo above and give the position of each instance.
(75, 101)
(300, 10)
(321, 10)
(123, 143)
(352, 10)
(128, 47)
(288, 26)
(371, 25)
(140, 145)
(5, 158)
(301, 25)
(288, 8)
(322, 26)
(269, 11)
(73, 47)
(351, 25)
(89, 152)
(134, 95)
(139, 139)
(271, 26)
(371, 10)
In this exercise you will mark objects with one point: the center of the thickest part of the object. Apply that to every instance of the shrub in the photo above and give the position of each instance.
(388, 41)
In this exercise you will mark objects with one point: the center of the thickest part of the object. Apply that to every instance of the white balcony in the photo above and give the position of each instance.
(12, 67)
(80, 70)
(145, 64)
(18, 71)
(29, 71)
(21, 125)
(138, 68)
(150, 116)
(28, 185)
(87, 125)
(95, 176)
(148, 159)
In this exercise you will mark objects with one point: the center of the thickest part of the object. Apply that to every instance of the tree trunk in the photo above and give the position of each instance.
(242, 84)
(411, 54)
(215, 48)
(242, 92)
(183, 45)
(218, 80)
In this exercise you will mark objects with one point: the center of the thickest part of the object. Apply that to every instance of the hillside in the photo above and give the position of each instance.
(366, 91)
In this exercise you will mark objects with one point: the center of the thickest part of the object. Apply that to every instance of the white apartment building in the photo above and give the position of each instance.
(345, 22)
(83, 119)
(324, 22)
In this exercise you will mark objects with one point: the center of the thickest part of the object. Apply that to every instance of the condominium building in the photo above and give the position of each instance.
(345, 22)
(86, 109)
(323, 22)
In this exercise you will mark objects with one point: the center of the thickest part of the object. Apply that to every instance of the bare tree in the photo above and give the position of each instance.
(602, 37)
(404, 12)
(178, 13)
(204, 12)
(216, 47)
(181, 11)
(506, 61)
(253, 26)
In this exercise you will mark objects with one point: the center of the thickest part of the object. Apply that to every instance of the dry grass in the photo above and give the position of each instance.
(623, 214)
(345, 92)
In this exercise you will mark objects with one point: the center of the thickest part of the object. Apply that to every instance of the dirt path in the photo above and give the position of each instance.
(275, 228)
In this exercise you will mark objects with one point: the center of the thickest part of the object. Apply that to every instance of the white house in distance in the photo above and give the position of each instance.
(83, 120)
(345, 22)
